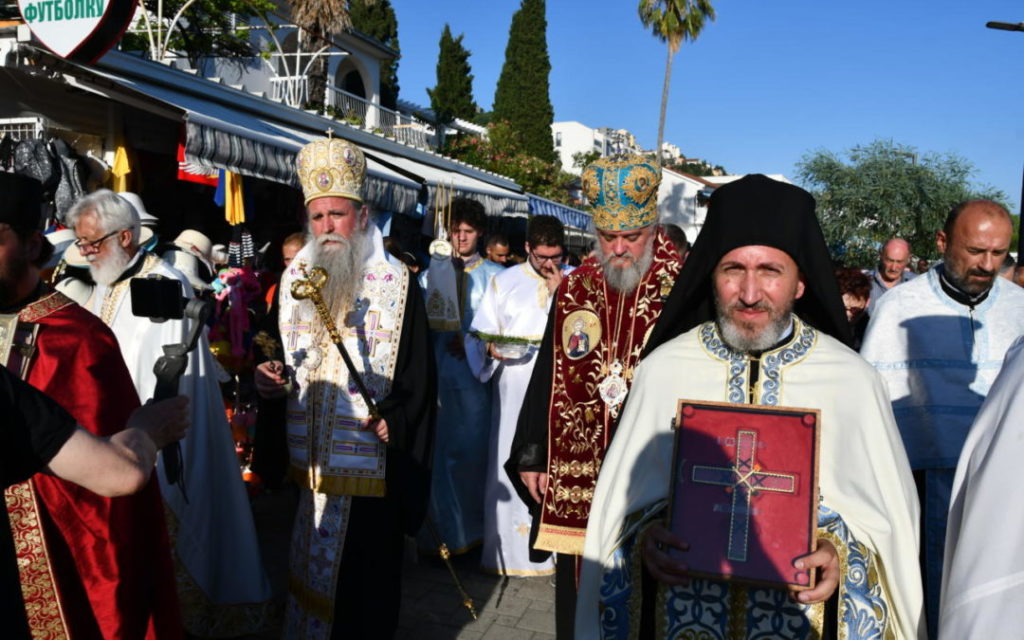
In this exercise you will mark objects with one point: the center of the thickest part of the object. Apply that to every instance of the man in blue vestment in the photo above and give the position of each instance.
(454, 287)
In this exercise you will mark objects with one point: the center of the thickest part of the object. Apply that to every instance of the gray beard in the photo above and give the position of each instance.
(343, 264)
(740, 341)
(627, 278)
(107, 271)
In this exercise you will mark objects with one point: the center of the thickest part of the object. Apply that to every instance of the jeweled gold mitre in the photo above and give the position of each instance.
(331, 167)
(622, 191)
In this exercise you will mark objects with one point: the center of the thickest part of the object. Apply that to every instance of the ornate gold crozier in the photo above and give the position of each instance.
(311, 288)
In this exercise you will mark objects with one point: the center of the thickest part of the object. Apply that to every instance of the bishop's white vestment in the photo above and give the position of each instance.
(333, 459)
(221, 581)
(983, 581)
(868, 505)
(514, 311)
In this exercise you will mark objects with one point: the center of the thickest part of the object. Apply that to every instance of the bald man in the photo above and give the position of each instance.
(938, 343)
(892, 269)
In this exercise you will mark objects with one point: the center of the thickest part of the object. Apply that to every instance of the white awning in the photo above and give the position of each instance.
(497, 201)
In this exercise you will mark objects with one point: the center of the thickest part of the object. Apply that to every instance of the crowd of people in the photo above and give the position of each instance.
(524, 407)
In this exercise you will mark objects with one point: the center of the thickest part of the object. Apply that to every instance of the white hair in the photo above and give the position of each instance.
(112, 213)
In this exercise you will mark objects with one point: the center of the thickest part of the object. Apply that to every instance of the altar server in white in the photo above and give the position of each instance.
(502, 347)
(756, 318)
(221, 582)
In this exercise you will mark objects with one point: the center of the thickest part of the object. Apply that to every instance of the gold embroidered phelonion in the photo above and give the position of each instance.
(309, 288)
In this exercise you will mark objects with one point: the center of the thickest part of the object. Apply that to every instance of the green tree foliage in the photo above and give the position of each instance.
(318, 19)
(521, 97)
(452, 96)
(581, 159)
(886, 190)
(698, 168)
(502, 152)
(378, 21)
(206, 29)
(673, 22)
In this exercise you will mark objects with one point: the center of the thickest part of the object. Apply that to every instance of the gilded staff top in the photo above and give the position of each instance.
(623, 191)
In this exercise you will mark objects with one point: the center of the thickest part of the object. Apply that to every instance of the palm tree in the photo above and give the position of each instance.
(673, 22)
(318, 19)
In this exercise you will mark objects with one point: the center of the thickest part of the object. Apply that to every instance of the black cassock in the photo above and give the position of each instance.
(369, 589)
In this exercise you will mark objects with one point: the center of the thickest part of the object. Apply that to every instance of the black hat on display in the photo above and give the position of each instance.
(756, 210)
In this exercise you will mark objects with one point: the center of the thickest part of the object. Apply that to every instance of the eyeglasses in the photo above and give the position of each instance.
(542, 259)
(92, 246)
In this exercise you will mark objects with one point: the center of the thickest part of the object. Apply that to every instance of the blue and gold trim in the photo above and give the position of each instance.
(623, 192)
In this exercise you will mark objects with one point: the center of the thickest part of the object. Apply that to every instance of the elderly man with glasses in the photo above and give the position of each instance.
(501, 348)
(212, 535)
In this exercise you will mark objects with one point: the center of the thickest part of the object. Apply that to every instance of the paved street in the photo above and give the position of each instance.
(508, 608)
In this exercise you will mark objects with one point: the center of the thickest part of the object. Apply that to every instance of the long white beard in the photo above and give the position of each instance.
(343, 263)
(627, 278)
(109, 269)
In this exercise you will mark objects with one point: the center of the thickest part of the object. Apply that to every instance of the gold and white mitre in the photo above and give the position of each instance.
(331, 167)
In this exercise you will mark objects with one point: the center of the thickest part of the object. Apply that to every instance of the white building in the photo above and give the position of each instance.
(683, 198)
(670, 152)
(574, 137)
(682, 201)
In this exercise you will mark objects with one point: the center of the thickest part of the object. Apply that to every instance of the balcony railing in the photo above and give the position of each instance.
(293, 90)
(373, 117)
(356, 111)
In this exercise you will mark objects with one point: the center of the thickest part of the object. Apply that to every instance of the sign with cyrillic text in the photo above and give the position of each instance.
(79, 30)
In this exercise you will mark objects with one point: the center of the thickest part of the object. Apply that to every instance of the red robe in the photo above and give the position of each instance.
(107, 558)
(581, 424)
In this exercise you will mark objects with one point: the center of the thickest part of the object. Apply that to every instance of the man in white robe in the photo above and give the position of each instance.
(983, 580)
(502, 348)
(223, 587)
(938, 342)
(759, 307)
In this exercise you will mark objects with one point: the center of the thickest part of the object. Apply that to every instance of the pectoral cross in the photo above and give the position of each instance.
(293, 328)
(744, 480)
(372, 333)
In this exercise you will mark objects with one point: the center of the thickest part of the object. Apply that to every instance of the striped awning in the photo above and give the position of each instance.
(570, 217)
(220, 137)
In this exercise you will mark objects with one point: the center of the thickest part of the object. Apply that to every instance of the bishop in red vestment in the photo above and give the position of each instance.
(91, 567)
(603, 313)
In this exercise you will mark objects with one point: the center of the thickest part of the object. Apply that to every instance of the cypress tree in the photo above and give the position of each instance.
(378, 21)
(522, 96)
(452, 97)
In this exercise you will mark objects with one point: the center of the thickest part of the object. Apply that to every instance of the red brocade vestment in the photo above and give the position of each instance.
(599, 334)
(91, 567)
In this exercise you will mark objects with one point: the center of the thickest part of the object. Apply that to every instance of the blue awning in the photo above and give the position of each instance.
(570, 217)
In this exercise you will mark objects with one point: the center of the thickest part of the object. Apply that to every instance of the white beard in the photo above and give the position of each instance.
(627, 278)
(343, 263)
(105, 272)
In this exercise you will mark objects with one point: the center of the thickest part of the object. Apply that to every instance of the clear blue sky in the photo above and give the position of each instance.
(769, 80)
